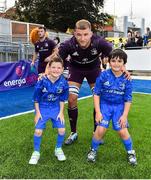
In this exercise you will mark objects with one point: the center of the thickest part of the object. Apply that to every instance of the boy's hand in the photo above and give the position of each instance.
(123, 121)
(98, 117)
(61, 117)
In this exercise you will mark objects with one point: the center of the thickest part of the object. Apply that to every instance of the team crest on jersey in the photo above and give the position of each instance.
(94, 51)
(37, 46)
(107, 83)
(75, 54)
(122, 86)
(59, 90)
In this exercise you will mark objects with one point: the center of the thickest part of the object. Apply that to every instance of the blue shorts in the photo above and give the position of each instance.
(78, 75)
(112, 112)
(49, 114)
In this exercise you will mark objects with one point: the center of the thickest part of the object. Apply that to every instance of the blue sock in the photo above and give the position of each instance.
(128, 144)
(95, 144)
(60, 140)
(37, 142)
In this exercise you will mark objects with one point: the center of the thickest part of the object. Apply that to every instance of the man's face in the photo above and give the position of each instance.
(83, 37)
(41, 33)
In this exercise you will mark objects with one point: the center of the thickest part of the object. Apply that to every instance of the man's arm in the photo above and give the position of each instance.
(35, 55)
(54, 51)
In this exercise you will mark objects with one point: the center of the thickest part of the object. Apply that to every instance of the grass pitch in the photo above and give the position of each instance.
(16, 146)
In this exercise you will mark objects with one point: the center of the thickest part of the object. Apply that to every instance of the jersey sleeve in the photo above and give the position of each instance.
(52, 44)
(36, 48)
(98, 86)
(64, 49)
(128, 91)
(64, 96)
(105, 47)
(38, 91)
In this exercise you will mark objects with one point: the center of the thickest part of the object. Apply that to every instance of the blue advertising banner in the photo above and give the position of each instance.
(17, 74)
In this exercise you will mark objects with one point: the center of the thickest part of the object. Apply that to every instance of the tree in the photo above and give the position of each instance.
(60, 14)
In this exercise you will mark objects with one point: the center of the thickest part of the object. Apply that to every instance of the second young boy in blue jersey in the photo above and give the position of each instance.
(49, 97)
(112, 101)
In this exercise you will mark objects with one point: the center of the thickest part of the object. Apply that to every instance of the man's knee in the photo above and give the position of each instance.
(73, 95)
(72, 101)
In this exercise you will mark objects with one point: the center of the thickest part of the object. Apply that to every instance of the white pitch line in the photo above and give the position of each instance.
(26, 112)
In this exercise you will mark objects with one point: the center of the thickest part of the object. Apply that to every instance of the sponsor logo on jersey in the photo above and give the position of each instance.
(51, 97)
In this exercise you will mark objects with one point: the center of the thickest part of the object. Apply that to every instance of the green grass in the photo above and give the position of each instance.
(16, 146)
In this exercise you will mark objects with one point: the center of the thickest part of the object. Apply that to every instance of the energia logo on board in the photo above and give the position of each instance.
(19, 71)
(31, 79)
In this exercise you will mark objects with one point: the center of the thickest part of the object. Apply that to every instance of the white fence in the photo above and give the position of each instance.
(139, 59)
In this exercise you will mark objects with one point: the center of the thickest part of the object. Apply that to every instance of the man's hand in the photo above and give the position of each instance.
(41, 75)
(47, 59)
(127, 73)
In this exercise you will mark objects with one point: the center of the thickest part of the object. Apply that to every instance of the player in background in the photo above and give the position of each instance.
(44, 47)
(112, 101)
(49, 96)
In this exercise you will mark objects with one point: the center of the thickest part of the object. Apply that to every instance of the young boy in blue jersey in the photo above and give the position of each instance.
(50, 94)
(112, 101)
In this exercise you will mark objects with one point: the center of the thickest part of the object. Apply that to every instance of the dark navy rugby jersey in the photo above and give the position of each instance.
(113, 89)
(44, 48)
(47, 93)
(85, 58)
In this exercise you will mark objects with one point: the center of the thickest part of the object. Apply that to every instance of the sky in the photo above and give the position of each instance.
(139, 9)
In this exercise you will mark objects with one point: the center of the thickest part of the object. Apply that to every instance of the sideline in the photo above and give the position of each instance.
(26, 112)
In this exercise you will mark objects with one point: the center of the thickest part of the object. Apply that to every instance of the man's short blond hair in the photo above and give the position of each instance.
(83, 24)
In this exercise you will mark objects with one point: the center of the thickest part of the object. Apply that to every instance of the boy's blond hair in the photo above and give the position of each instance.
(55, 58)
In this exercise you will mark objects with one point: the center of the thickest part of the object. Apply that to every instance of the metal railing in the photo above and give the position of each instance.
(14, 48)
(10, 52)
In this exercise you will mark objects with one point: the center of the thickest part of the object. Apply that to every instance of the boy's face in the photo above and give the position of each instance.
(55, 69)
(116, 64)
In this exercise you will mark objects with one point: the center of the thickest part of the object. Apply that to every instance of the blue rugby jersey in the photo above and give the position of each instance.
(113, 89)
(47, 93)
